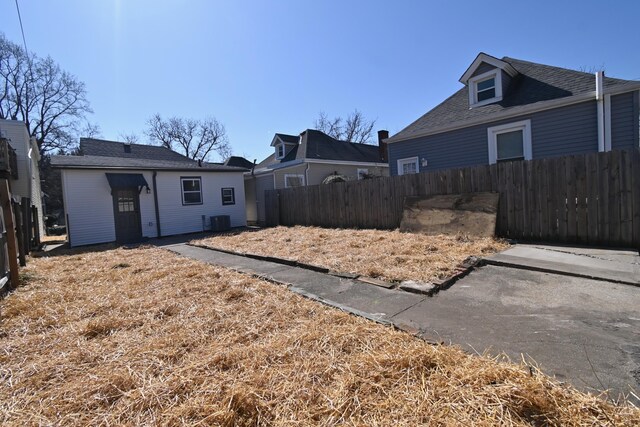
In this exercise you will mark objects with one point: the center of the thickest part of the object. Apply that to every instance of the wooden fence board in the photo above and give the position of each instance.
(592, 198)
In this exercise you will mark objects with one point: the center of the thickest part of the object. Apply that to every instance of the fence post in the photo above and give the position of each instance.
(9, 223)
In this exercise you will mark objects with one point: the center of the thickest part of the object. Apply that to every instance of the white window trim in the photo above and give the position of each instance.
(287, 175)
(363, 171)
(233, 196)
(492, 132)
(182, 190)
(408, 160)
(284, 151)
(473, 87)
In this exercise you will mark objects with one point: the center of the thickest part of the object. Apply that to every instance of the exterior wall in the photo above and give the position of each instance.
(89, 206)
(250, 199)
(319, 171)
(561, 131)
(16, 132)
(27, 155)
(483, 68)
(624, 120)
(262, 183)
(178, 219)
(280, 173)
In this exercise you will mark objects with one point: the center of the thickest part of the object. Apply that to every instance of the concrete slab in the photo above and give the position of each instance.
(610, 265)
(579, 330)
(582, 331)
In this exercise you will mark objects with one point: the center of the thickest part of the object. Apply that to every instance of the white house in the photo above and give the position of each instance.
(27, 184)
(127, 192)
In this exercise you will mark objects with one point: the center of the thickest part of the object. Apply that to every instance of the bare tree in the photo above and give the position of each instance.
(355, 128)
(196, 139)
(129, 138)
(50, 101)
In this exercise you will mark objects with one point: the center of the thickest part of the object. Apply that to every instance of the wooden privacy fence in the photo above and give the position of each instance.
(589, 199)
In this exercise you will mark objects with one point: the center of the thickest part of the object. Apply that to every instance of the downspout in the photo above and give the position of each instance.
(306, 175)
(155, 201)
(600, 112)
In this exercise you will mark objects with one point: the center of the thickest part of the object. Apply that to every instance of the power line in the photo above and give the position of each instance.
(24, 40)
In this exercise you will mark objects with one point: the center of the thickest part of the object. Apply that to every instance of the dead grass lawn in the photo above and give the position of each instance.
(143, 337)
(389, 255)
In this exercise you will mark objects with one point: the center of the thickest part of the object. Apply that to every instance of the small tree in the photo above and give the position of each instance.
(355, 128)
(196, 139)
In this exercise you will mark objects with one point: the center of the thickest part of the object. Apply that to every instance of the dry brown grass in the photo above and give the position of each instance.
(389, 255)
(143, 337)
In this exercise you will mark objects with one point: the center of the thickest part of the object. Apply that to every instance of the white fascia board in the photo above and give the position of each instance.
(483, 57)
(276, 140)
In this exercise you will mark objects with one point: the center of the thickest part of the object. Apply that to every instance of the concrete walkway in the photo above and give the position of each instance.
(579, 330)
(622, 266)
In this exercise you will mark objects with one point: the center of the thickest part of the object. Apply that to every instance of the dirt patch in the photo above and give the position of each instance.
(388, 255)
(166, 340)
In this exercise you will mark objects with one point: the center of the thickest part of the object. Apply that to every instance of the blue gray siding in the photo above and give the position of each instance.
(483, 68)
(624, 120)
(561, 131)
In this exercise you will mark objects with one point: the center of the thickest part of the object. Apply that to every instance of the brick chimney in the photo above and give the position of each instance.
(382, 146)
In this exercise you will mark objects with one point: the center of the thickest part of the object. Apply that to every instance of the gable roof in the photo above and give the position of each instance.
(102, 154)
(487, 59)
(317, 145)
(101, 147)
(238, 161)
(105, 162)
(534, 83)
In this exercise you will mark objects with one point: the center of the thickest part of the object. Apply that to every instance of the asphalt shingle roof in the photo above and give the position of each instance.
(534, 83)
(238, 161)
(320, 146)
(100, 147)
(104, 162)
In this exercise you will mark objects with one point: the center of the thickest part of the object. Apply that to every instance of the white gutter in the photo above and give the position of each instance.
(600, 102)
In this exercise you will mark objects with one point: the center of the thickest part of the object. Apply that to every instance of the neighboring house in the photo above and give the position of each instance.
(239, 162)
(308, 159)
(123, 192)
(27, 183)
(511, 109)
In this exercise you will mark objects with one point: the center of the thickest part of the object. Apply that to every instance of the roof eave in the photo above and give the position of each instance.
(491, 60)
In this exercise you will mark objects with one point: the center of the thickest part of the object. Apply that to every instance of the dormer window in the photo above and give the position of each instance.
(280, 151)
(485, 88)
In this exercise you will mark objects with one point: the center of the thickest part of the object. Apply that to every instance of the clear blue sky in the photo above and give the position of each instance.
(272, 66)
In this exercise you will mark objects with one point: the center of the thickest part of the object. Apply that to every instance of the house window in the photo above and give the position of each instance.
(485, 88)
(510, 142)
(191, 190)
(228, 196)
(408, 166)
(280, 151)
(363, 174)
(291, 180)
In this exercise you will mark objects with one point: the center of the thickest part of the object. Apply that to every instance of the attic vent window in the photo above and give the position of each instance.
(485, 88)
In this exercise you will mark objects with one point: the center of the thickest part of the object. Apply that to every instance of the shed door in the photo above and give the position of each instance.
(126, 210)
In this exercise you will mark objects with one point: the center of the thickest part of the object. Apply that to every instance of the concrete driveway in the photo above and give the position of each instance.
(583, 331)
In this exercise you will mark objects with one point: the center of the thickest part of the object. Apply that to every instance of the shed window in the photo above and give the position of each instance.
(228, 196)
(191, 190)
(408, 166)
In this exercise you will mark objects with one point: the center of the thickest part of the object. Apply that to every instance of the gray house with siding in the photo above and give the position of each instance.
(309, 159)
(511, 109)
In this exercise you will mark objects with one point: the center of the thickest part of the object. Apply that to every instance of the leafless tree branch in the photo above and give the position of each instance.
(355, 128)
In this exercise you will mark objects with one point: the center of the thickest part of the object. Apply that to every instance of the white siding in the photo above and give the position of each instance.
(18, 136)
(89, 205)
(178, 219)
